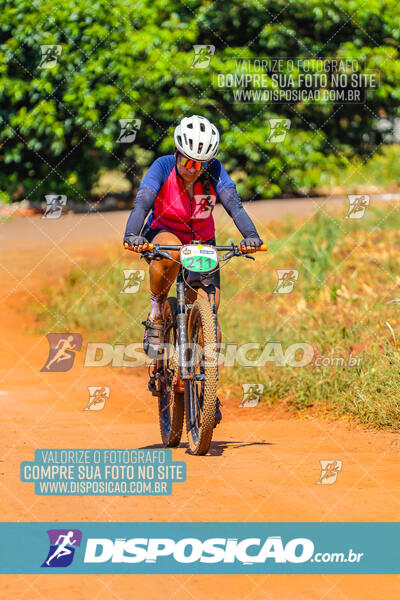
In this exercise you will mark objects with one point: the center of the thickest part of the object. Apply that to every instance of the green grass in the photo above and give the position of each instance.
(348, 271)
(382, 170)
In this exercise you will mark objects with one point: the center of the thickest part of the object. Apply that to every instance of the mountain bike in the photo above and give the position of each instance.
(184, 374)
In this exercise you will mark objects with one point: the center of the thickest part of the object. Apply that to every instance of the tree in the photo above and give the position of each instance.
(121, 61)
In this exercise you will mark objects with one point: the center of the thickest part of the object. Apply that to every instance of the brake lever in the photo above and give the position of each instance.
(228, 255)
(164, 253)
(155, 254)
(148, 256)
(248, 256)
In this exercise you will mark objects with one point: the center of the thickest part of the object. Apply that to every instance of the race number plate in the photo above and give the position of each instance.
(197, 257)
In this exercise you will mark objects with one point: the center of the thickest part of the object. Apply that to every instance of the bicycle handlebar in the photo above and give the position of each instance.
(262, 248)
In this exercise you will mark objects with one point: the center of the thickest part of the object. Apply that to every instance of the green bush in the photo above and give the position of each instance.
(119, 60)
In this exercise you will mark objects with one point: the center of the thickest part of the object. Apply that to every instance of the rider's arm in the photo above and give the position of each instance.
(143, 204)
(148, 190)
(230, 200)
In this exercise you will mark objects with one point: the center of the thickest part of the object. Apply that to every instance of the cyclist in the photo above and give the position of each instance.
(180, 190)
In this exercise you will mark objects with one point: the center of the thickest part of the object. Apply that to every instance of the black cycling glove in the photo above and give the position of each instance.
(135, 240)
(253, 242)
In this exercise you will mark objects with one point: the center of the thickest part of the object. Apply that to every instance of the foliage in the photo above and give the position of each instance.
(60, 126)
(381, 171)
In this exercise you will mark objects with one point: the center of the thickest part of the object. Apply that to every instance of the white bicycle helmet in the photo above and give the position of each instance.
(196, 138)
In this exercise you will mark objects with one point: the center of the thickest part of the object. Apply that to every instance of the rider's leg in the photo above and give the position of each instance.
(163, 273)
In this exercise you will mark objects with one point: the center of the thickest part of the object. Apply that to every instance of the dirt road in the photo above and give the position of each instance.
(263, 465)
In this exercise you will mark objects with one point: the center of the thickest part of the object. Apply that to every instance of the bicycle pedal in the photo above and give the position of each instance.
(151, 386)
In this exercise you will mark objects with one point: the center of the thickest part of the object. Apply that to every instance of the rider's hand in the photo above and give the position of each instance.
(250, 245)
(136, 243)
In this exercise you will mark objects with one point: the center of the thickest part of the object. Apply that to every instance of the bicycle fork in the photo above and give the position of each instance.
(211, 299)
(182, 338)
(181, 332)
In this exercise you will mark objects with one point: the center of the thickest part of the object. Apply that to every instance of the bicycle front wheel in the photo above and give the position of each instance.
(201, 388)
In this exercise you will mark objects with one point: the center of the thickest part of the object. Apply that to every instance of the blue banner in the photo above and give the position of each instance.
(208, 548)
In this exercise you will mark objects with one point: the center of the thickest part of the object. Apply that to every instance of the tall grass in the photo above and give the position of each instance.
(348, 272)
(381, 171)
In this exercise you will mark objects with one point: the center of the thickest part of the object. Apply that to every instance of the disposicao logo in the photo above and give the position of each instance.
(190, 550)
(62, 547)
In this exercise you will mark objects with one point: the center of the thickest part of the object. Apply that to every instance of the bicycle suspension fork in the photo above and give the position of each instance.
(181, 328)
(211, 299)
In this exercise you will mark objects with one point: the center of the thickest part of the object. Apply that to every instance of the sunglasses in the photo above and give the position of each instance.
(188, 163)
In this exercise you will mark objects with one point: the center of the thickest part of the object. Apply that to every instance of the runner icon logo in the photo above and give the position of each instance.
(54, 206)
(203, 205)
(50, 54)
(97, 397)
(286, 280)
(62, 547)
(129, 129)
(62, 351)
(357, 206)
(202, 55)
(252, 393)
(132, 280)
(329, 471)
(278, 130)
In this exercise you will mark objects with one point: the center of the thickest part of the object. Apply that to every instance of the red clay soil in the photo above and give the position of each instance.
(263, 465)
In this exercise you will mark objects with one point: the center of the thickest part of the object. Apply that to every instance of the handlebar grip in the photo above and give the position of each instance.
(262, 248)
(126, 246)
